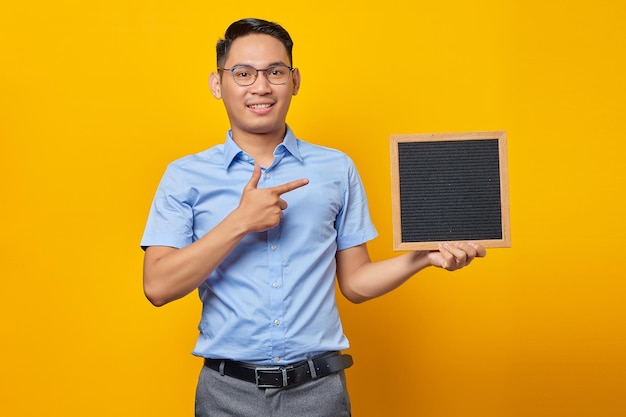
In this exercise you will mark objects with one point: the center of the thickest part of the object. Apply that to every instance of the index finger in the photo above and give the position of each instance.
(290, 186)
(481, 252)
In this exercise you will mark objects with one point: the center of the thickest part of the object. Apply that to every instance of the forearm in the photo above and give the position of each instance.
(373, 279)
(170, 274)
(361, 279)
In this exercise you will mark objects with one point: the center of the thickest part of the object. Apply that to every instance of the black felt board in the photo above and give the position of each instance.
(450, 190)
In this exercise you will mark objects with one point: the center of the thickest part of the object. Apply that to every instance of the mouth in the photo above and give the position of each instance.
(260, 106)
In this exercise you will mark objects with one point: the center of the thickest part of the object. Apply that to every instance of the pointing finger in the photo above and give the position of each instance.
(290, 186)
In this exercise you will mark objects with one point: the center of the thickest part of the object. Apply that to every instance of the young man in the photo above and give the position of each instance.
(261, 225)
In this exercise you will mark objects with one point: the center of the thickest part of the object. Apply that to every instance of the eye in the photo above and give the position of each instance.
(242, 72)
(277, 71)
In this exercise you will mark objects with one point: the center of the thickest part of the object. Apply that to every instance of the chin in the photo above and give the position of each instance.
(264, 129)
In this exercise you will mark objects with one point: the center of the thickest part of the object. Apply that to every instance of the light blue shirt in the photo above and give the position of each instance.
(272, 300)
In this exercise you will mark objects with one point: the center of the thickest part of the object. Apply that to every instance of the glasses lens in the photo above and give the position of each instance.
(244, 75)
(277, 74)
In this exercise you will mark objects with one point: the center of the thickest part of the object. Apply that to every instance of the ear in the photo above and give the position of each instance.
(216, 85)
(296, 81)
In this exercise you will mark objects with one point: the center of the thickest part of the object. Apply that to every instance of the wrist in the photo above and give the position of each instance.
(236, 222)
(421, 259)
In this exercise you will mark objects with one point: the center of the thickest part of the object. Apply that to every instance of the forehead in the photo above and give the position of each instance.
(256, 49)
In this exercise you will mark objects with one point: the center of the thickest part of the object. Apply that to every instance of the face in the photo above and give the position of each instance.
(260, 108)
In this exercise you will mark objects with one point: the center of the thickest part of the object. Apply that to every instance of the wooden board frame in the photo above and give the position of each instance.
(452, 141)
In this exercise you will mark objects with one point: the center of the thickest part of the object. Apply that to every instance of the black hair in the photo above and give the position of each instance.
(250, 26)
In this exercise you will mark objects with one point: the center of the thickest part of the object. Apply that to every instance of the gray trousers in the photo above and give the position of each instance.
(224, 396)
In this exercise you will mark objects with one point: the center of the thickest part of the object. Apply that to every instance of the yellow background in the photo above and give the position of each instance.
(96, 98)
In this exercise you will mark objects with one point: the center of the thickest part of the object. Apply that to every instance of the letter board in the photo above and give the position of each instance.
(449, 187)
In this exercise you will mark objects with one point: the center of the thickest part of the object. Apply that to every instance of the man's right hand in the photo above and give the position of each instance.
(262, 208)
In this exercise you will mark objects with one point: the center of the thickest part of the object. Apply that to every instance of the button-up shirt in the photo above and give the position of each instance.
(272, 299)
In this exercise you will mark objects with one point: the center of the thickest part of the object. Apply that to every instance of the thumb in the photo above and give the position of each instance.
(256, 176)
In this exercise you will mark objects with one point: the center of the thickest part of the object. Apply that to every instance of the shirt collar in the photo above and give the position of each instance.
(232, 150)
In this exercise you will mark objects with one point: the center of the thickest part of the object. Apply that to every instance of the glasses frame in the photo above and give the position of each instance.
(256, 73)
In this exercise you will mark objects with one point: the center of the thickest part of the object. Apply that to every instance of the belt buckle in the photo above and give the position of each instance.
(271, 369)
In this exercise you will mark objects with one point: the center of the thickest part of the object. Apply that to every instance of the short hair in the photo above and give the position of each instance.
(251, 26)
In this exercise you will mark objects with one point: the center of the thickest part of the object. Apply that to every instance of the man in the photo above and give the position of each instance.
(261, 225)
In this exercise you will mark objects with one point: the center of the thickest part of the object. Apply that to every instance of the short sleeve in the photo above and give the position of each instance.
(354, 224)
(170, 220)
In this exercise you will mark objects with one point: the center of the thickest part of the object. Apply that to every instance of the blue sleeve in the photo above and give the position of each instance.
(354, 224)
(170, 221)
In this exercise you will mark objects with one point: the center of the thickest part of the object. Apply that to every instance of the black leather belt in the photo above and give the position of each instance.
(282, 376)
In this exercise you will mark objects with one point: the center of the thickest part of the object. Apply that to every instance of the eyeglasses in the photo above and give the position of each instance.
(245, 75)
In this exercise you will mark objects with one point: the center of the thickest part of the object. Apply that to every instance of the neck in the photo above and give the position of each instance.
(259, 145)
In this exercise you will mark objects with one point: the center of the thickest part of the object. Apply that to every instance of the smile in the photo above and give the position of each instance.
(259, 106)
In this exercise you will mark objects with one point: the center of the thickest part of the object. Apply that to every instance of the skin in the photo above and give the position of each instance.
(171, 273)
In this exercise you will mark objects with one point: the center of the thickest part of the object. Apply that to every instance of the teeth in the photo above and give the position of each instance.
(260, 106)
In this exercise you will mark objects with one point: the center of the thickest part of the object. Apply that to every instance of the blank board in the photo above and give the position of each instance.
(450, 187)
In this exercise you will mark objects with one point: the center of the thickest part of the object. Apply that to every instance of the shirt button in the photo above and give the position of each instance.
(267, 176)
(246, 157)
(273, 247)
(275, 284)
(276, 359)
(277, 322)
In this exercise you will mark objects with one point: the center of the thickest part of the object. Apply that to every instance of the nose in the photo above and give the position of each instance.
(261, 85)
